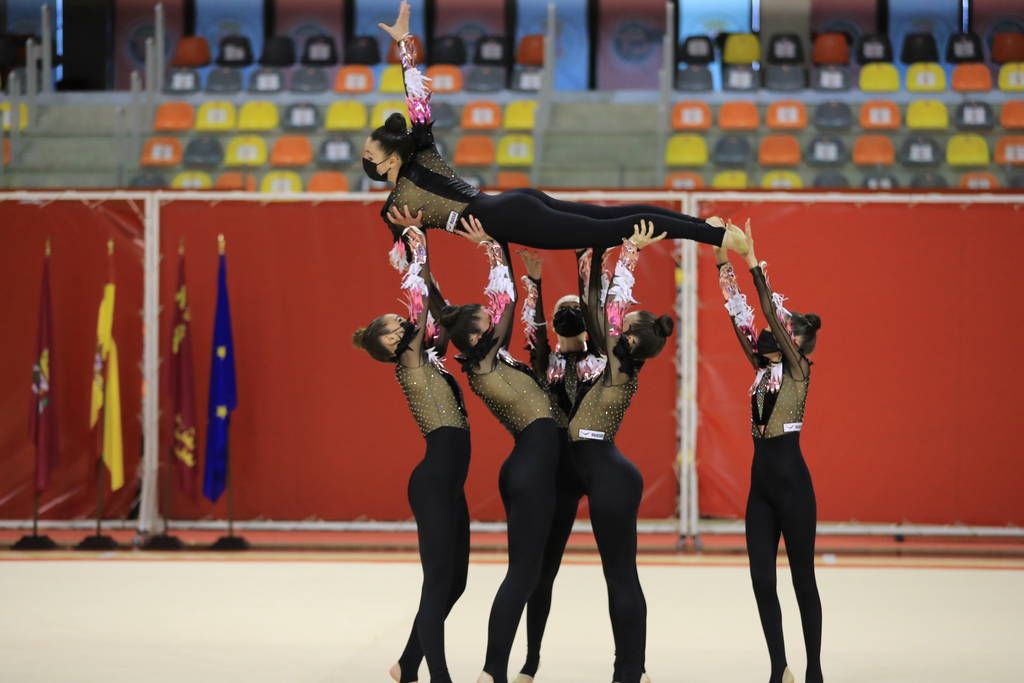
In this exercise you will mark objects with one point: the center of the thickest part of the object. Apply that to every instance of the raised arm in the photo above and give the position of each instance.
(740, 312)
(417, 90)
(415, 292)
(592, 283)
(534, 326)
(500, 290)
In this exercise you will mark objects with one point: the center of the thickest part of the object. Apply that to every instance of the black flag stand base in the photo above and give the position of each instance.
(230, 543)
(163, 542)
(35, 542)
(97, 542)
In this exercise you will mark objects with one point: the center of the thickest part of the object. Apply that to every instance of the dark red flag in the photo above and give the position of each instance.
(183, 445)
(43, 426)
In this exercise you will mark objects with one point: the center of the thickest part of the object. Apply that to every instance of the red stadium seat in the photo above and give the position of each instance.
(1008, 47)
(531, 51)
(831, 49)
(191, 52)
(394, 58)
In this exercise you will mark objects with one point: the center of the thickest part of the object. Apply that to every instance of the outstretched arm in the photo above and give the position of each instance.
(534, 326)
(500, 290)
(415, 290)
(592, 283)
(417, 90)
(740, 312)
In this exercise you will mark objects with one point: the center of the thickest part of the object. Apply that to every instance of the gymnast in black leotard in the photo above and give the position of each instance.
(436, 492)
(423, 181)
(781, 500)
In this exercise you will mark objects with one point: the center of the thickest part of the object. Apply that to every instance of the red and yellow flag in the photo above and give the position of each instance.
(106, 384)
(44, 412)
(183, 391)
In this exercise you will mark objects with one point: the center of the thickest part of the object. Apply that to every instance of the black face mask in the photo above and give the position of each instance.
(766, 344)
(371, 171)
(568, 321)
(408, 334)
(627, 362)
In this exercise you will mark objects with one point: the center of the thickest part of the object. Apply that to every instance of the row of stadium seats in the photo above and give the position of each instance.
(962, 150)
(695, 115)
(792, 180)
(298, 151)
(346, 115)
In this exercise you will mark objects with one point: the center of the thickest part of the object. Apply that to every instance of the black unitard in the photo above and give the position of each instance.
(781, 500)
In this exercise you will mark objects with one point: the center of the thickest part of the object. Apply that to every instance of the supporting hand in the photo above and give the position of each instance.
(405, 219)
(643, 234)
(533, 262)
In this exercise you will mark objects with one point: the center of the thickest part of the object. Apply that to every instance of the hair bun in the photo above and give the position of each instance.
(395, 123)
(664, 326)
(449, 315)
(359, 338)
(813, 321)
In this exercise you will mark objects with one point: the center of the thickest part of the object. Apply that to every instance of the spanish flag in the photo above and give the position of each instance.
(106, 383)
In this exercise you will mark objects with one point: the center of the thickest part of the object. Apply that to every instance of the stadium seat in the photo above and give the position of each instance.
(918, 48)
(697, 50)
(394, 58)
(964, 48)
(785, 48)
(281, 182)
(874, 48)
(926, 77)
(927, 115)
(203, 151)
(972, 78)
(831, 49)
(686, 150)
(216, 116)
(1010, 150)
(148, 180)
(739, 78)
(355, 79)
(515, 150)
(319, 51)
(474, 150)
(786, 115)
(979, 180)
(235, 52)
(161, 152)
(246, 150)
(526, 74)
(346, 115)
(1016, 181)
(258, 116)
(684, 180)
(691, 115)
(266, 80)
(1011, 77)
(291, 151)
(873, 150)
(779, 150)
(831, 180)
(879, 77)
(224, 81)
(327, 181)
(335, 151)
(526, 79)
(192, 180)
(741, 48)
(382, 110)
(491, 51)
(191, 52)
(392, 80)
(929, 181)
(833, 116)
(738, 115)
(827, 150)
(880, 181)
(879, 115)
(694, 78)
(445, 78)
(967, 149)
(444, 115)
(481, 115)
(782, 180)
(785, 77)
(1012, 115)
(732, 150)
(448, 50)
(182, 82)
(309, 79)
(174, 117)
(486, 79)
(831, 79)
(1007, 46)
(520, 115)
(977, 116)
(363, 50)
(919, 150)
(278, 52)
(730, 180)
(235, 180)
(302, 116)
(511, 180)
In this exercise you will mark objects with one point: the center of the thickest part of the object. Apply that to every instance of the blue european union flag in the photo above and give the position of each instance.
(223, 399)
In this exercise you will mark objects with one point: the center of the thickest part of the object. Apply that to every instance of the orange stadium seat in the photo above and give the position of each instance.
(394, 58)
(779, 150)
(445, 78)
(738, 116)
(235, 180)
(831, 49)
(979, 180)
(292, 150)
(474, 150)
(511, 180)
(1012, 115)
(354, 78)
(174, 117)
(1010, 150)
(879, 115)
(161, 152)
(972, 78)
(873, 150)
(191, 51)
(691, 115)
(328, 181)
(787, 115)
(531, 51)
(684, 180)
(481, 115)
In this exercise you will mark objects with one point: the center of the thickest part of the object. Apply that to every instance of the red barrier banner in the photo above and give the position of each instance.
(912, 412)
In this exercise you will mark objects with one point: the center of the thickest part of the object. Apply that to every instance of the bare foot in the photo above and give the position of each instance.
(395, 672)
(787, 676)
(645, 679)
(735, 240)
(485, 678)
(522, 678)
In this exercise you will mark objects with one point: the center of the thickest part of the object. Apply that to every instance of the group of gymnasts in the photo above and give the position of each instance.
(565, 407)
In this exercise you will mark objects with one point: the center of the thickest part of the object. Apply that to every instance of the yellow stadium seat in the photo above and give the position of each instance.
(1011, 77)
(926, 77)
(879, 77)
(730, 180)
(5, 114)
(782, 180)
(258, 115)
(346, 116)
(515, 150)
(519, 115)
(742, 48)
(281, 182)
(392, 79)
(967, 149)
(686, 150)
(217, 116)
(927, 115)
(192, 180)
(382, 110)
(246, 150)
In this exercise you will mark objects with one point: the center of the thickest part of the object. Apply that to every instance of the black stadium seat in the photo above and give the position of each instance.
(964, 47)
(697, 50)
(319, 51)
(491, 51)
(235, 51)
(362, 50)
(874, 47)
(279, 52)
(919, 47)
(448, 50)
(785, 48)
